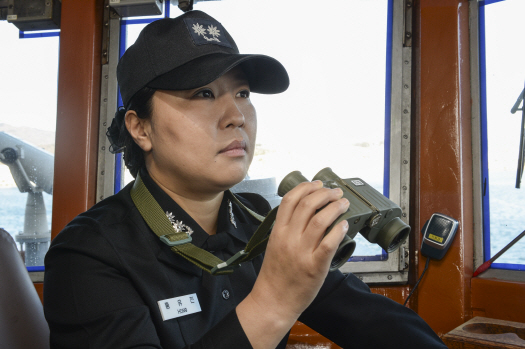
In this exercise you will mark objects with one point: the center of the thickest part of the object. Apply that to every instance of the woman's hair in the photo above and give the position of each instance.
(142, 104)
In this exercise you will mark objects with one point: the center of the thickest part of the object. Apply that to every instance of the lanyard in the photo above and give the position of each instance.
(180, 242)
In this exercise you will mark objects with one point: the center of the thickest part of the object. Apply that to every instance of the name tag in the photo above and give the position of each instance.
(179, 306)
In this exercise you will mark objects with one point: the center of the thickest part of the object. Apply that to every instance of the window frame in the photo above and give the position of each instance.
(394, 269)
(481, 182)
(36, 272)
(397, 148)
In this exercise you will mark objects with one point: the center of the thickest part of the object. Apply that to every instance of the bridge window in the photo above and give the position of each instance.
(27, 138)
(337, 111)
(503, 140)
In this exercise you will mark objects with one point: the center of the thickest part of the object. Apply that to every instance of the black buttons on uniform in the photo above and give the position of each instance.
(225, 294)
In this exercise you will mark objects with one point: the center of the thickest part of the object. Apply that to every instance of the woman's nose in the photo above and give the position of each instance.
(232, 115)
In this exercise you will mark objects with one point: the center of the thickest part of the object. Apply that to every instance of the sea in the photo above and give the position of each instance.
(12, 209)
(506, 212)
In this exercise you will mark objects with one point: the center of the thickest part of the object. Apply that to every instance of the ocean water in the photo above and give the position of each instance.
(12, 209)
(507, 218)
(506, 212)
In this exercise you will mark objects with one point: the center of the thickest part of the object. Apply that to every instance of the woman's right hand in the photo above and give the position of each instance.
(296, 262)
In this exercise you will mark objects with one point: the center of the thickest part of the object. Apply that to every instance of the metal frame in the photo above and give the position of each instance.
(395, 268)
(477, 176)
(108, 103)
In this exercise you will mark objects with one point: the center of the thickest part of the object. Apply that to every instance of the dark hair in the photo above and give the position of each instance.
(142, 104)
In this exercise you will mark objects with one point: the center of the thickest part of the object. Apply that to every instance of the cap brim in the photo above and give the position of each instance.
(265, 74)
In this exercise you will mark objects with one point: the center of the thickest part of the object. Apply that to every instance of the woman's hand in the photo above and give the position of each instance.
(296, 262)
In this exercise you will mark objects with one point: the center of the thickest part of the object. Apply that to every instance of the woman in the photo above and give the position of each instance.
(188, 134)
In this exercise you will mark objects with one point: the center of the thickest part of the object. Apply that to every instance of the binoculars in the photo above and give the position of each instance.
(370, 213)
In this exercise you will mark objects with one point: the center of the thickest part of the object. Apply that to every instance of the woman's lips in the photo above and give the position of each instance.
(235, 148)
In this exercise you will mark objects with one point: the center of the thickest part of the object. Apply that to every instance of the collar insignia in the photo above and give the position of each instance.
(232, 217)
(179, 226)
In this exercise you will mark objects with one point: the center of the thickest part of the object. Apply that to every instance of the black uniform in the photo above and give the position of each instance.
(107, 271)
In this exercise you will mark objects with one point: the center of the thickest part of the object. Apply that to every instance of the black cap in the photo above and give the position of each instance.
(191, 51)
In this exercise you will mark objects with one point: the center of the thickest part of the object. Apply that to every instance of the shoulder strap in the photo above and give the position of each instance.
(256, 202)
(254, 214)
(180, 242)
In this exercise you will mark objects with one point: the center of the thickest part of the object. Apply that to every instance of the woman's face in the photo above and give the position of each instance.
(202, 140)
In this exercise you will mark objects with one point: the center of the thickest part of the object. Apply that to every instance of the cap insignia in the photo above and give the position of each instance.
(213, 31)
(205, 31)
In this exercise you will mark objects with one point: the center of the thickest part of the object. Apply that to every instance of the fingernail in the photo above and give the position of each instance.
(345, 225)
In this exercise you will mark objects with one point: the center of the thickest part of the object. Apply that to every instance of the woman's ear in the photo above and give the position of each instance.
(139, 129)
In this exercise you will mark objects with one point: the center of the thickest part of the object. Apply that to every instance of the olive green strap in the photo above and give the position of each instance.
(258, 241)
(180, 242)
(253, 213)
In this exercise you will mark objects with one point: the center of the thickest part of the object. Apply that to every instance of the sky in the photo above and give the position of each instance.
(28, 86)
(505, 79)
(505, 55)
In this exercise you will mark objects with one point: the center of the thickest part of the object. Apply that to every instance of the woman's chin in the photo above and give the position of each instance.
(234, 178)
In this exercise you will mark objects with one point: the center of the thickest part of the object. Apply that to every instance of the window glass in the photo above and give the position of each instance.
(27, 132)
(333, 113)
(503, 76)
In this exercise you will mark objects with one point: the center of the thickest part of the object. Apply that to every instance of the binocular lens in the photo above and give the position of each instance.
(393, 234)
(289, 182)
(398, 240)
(344, 252)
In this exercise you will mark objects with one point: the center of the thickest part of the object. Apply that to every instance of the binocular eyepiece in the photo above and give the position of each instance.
(370, 213)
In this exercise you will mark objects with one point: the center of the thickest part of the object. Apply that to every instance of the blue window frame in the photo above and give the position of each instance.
(502, 77)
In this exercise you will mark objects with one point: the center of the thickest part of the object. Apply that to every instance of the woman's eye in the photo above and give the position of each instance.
(205, 94)
(244, 94)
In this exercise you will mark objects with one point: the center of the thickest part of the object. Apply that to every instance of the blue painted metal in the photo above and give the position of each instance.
(484, 142)
(36, 268)
(488, 2)
(32, 35)
(388, 98)
(118, 157)
(484, 135)
(381, 257)
(508, 266)
(167, 8)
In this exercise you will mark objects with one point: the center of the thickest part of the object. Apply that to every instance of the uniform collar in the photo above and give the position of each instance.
(231, 218)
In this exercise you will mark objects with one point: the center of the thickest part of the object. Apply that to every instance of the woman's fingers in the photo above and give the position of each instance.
(321, 221)
(293, 198)
(310, 204)
(303, 218)
(300, 205)
(329, 243)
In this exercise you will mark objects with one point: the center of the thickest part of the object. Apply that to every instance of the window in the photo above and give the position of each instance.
(502, 82)
(27, 133)
(333, 114)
